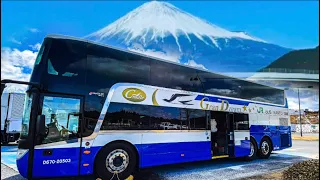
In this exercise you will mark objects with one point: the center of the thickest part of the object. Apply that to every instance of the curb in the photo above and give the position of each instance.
(305, 138)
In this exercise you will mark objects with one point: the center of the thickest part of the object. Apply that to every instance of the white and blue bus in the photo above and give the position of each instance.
(95, 109)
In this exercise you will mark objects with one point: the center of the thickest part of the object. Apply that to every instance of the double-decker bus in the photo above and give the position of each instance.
(95, 109)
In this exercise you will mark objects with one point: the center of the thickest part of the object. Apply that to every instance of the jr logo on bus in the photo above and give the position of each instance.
(134, 94)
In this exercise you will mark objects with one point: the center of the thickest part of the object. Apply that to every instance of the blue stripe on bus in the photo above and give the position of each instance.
(88, 159)
(172, 153)
(56, 168)
(243, 149)
(235, 101)
(280, 135)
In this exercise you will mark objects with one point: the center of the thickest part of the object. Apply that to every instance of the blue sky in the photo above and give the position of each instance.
(293, 24)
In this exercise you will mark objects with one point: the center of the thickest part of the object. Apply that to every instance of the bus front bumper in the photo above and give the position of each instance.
(22, 162)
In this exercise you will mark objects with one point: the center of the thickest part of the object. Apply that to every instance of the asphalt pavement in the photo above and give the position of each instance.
(308, 149)
(215, 169)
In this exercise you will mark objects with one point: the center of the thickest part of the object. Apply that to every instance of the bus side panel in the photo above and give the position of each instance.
(279, 135)
(62, 161)
(172, 153)
(156, 154)
(285, 137)
(155, 148)
(174, 147)
(241, 145)
(88, 159)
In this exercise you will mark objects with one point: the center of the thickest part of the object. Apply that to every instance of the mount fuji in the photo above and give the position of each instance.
(162, 30)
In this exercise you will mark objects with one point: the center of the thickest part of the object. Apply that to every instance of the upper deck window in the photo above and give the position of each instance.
(174, 76)
(39, 57)
(230, 87)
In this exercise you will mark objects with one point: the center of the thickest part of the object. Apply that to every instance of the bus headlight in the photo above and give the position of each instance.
(21, 153)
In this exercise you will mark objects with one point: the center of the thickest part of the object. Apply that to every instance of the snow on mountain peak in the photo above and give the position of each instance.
(160, 19)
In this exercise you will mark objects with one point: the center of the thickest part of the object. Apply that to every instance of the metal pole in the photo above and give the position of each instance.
(299, 113)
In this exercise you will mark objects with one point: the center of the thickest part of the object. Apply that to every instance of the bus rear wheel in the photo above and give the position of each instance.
(265, 148)
(115, 161)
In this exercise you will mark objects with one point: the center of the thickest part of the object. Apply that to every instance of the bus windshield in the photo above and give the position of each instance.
(60, 119)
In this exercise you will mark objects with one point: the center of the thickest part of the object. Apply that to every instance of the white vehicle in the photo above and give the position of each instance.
(184, 127)
(11, 116)
(168, 125)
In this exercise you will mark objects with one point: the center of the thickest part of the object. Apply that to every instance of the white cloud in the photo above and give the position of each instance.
(36, 46)
(15, 41)
(34, 30)
(13, 63)
(167, 55)
(194, 64)
(310, 103)
(157, 54)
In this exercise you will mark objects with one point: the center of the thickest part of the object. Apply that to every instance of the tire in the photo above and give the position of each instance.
(121, 158)
(265, 148)
(253, 151)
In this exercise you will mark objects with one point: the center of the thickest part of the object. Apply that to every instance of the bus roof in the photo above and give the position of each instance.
(58, 36)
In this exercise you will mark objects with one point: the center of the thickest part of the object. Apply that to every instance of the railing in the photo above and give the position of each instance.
(285, 70)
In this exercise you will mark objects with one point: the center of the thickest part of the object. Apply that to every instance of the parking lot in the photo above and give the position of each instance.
(215, 169)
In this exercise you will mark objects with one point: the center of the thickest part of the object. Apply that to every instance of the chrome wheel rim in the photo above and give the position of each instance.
(251, 149)
(117, 161)
(265, 148)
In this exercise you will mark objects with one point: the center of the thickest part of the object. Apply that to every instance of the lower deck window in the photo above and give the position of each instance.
(122, 116)
(241, 122)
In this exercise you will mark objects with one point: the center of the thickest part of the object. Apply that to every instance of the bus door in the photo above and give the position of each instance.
(239, 134)
(57, 152)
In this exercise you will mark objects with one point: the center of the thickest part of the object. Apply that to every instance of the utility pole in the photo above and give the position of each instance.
(300, 113)
(299, 104)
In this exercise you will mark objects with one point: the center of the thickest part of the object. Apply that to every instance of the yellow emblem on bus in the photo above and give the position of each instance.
(134, 94)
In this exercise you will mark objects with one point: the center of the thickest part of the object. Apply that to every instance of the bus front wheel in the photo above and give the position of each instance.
(116, 160)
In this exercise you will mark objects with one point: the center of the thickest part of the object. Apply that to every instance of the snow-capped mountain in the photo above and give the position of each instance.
(162, 30)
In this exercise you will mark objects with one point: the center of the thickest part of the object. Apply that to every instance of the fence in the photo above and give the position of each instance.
(285, 70)
(306, 128)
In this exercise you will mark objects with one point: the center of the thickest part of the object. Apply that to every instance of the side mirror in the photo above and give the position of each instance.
(41, 124)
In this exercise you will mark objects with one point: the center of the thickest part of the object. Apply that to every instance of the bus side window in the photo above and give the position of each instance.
(197, 119)
(241, 122)
(121, 116)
